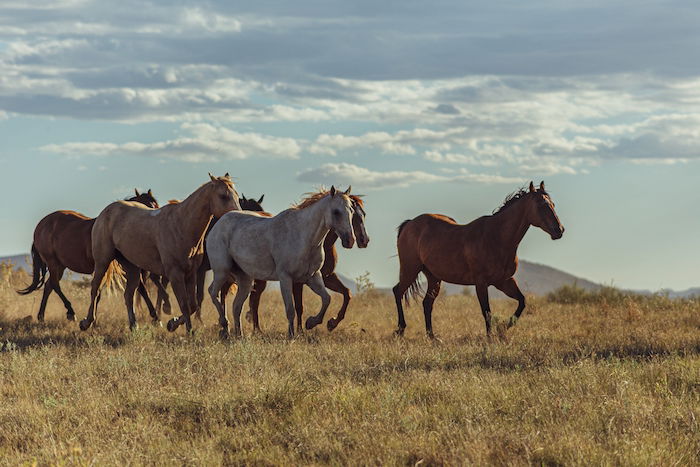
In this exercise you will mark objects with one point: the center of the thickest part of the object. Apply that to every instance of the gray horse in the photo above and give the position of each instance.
(288, 248)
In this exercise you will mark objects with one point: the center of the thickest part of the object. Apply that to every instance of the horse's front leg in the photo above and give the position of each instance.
(333, 282)
(286, 285)
(244, 283)
(510, 288)
(316, 284)
(482, 293)
(178, 282)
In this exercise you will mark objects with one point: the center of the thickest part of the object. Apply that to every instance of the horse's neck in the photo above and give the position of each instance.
(194, 215)
(511, 226)
(312, 228)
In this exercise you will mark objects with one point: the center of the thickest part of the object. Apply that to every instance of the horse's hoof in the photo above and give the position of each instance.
(512, 321)
(332, 324)
(311, 322)
(430, 335)
(70, 316)
(172, 324)
(223, 334)
(84, 325)
(399, 332)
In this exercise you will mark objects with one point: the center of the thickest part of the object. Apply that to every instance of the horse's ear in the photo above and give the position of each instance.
(261, 198)
(532, 187)
(333, 190)
(136, 190)
(347, 192)
(150, 193)
(542, 185)
(243, 197)
(212, 177)
(227, 176)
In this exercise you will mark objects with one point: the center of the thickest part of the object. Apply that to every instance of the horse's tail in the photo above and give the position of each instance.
(39, 269)
(115, 277)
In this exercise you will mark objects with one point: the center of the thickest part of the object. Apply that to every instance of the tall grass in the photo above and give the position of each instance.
(581, 383)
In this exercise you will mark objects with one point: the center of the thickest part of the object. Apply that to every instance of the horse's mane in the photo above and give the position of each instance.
(514, 197)
(313, 197)
(173, 201)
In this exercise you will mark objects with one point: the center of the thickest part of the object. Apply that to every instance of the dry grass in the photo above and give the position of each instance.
(570, 384)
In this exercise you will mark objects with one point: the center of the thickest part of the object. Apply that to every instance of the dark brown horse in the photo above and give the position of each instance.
(62, 241)
(481, 253)
(330, 278)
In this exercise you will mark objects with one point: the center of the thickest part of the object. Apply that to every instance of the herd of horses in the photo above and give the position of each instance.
(213, 228)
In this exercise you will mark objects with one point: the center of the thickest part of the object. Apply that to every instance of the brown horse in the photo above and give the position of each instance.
(166, 241)
(62, 241)
(247, 204)
(481, 253)
(330, 278)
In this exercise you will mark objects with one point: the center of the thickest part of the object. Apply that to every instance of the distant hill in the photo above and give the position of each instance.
(533, 279)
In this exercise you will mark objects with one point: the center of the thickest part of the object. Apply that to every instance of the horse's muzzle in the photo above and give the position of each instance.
(558, 234)
(347, 240)
(362, 241)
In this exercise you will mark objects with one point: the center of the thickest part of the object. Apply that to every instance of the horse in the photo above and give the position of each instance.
(288, 247)
(247, 204)
(330, 278)
(167, 241)
(62, 241)
(481, 253)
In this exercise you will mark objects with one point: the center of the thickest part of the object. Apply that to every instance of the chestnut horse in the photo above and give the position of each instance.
(167, 241)
(481, 253)
(330, 278)
(247, 204)
(62, 241)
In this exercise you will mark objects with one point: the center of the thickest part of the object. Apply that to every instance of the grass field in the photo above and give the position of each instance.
(593, 383)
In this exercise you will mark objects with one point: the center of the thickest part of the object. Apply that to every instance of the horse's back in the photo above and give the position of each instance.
(438, 243)
(64, 236)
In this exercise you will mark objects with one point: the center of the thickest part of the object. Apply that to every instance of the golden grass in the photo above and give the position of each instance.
(570, 384)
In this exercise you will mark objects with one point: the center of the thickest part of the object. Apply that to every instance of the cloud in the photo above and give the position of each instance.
(205, 142)
(350, 174)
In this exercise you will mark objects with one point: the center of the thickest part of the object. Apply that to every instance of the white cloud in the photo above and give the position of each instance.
(205, 142)
(350, 174)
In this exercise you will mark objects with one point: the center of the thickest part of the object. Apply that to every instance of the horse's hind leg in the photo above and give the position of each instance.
(44, 299)
(286, 285)
(407, 277)
(199, 286)
(149, 304)
(510, 288)
(98, 276)
(220, 283)
(482, 293)
(133, 282)
(430, 296)
(316, 284)
(332, 281)
(254, 303)
(162, 299)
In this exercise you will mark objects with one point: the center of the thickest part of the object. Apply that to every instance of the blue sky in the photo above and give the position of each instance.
(443, 106)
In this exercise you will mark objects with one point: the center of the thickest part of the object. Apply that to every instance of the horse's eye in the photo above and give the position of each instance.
(336, 213)
(225, 197)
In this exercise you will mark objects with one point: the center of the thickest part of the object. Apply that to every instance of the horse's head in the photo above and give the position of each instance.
(250, 204)
(147, 199)
(542, 212)
(223, 196)
(339, 216)
(358, 221)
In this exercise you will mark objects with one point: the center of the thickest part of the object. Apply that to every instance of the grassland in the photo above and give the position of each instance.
(591, 383)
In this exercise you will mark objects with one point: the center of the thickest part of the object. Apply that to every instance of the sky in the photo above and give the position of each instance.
(441, 106)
